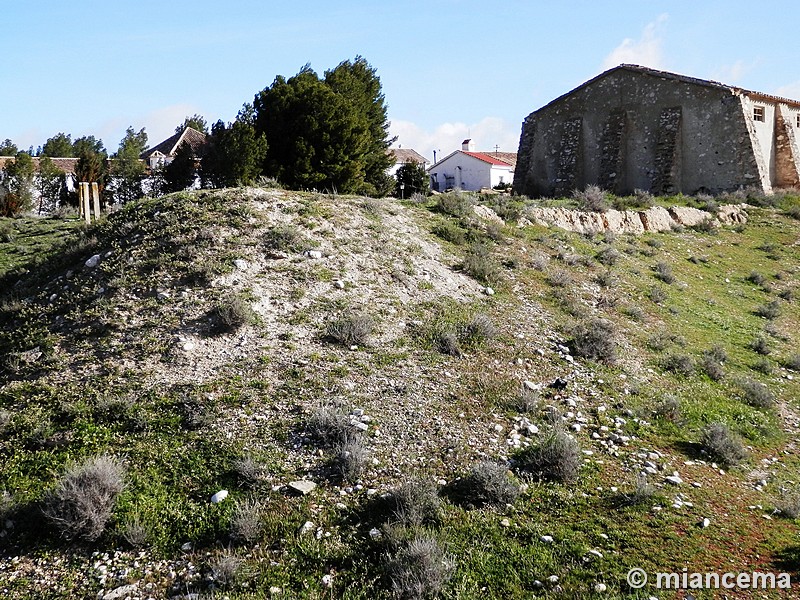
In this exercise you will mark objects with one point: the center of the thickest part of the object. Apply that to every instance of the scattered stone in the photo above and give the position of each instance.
(600, 588)
(375, 533)
(339, 284)
(93, 261)
(674, 479)
(705, 523)
(307, 527)
(219, 496)
(241, 264)
(505, 523)
(302, 486)
(313, 254)
(488, 291)
(121, 592)
(547, 539)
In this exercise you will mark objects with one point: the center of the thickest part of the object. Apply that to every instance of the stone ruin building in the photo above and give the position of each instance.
(637, 128)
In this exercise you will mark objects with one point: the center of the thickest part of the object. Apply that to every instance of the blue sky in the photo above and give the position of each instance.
(450, 68)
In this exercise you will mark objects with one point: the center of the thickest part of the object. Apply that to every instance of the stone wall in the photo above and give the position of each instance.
(632, 128)
(655, 219)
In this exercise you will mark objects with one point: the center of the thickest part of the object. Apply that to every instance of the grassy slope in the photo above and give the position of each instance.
(57, 415)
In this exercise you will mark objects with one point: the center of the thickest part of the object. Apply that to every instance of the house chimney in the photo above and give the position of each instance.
(468, 145)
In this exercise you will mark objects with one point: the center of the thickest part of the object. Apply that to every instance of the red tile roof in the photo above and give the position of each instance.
(490, 158)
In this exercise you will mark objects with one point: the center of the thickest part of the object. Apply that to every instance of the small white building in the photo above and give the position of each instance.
(469, 170)
(163, 153)
(401, 156)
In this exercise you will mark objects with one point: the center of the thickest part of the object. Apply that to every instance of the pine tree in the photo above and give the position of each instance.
(326, 134)
(58, 146)
(180, 174)
(359, 83)
(414, 179)
(49, 181)
(127, 170)
(17, 183)
(235, 153)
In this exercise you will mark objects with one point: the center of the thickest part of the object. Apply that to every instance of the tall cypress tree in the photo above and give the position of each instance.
(235, 153)
(326, 133)
(360, 85)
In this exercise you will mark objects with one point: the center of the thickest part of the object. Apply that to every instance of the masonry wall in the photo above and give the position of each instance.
(631, 130)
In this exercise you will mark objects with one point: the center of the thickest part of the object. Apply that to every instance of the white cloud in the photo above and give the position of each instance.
(447, 137)
(161, 123)
(791, 90)
(646, 51)
(733, 73)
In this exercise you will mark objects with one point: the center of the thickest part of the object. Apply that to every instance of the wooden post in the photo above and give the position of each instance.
(96, 198)
(80, 199)
(87, 210)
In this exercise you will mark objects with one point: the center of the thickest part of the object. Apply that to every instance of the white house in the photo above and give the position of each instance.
(401, 156)
(163, 153)
(469, 170)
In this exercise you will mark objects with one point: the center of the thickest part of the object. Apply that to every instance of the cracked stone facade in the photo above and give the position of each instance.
(636, 128)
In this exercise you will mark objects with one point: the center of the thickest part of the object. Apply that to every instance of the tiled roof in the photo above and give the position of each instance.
(404, 155)
(507, 157)
(491, 158)
(676, 77)
(195, 139)
(65, 165)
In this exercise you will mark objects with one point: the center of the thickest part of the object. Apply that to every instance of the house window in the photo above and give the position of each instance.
(798, 119)
(758, 113)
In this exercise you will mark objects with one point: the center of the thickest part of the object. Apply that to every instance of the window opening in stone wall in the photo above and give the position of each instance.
(798, 119)
(758, 113)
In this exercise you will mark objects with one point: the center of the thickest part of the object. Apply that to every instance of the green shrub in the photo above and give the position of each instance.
(680, 364)
(81, 504)
(350, 329)
(608, 256)
(557, 457)
(761, 346)
(487, 483)
(722, 445)
(247, 521)
(591, 199)
(231, 314)
(663, 272)
(456, 204)
(770, 310)
(757, 394)
(284, 238)
(479, 264)
(415, 503)
(419, 570)
(450, 233)
(595, 340)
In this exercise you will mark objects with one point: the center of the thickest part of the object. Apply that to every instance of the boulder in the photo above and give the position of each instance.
(656, 218)
(689, 216)
(487, 214)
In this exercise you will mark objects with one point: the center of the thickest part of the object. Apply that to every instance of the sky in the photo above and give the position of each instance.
(450, 69)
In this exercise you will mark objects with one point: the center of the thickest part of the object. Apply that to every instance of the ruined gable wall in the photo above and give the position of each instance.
(630, 130)
(787, 148)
